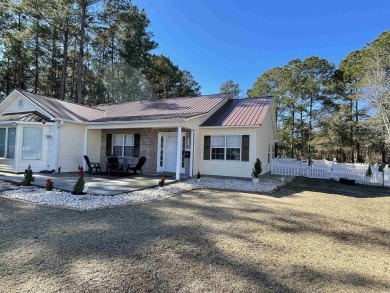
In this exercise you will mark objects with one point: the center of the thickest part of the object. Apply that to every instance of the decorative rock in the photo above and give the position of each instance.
(59, 198)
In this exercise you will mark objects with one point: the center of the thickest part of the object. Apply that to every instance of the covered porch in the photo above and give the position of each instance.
(167, 147)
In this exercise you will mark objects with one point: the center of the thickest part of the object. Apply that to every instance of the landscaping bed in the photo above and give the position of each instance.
(57, 198)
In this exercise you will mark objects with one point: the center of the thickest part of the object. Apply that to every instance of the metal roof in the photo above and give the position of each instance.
(241, 112)
(63, 110)
(184, 107)
(25, 116)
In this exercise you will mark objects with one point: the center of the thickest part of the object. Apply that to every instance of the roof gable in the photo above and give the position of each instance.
(240, 112)
(63, 110)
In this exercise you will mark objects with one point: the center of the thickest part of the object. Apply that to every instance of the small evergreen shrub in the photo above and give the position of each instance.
(28, 177)
(78, 187)
(256, 171)
(198, 175)
(369, 171)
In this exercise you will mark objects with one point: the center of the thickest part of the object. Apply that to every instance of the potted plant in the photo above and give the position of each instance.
(256, 171)
(368, 173)
(78, 187)
(49, 185)
(27, 183)
(198, 176)
(161, 183)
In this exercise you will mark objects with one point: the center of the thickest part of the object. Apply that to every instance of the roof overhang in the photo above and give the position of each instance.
(135, 124)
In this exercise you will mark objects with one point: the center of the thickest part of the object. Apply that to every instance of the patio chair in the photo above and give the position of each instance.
(113, 164)
(92, 166)
(137, 167)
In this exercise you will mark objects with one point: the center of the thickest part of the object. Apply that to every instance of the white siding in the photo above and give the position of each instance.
(264, 138)
(46, 162)
(70, 147)
(223, 167)
(93, 145)
(194, 124)
(28, 106)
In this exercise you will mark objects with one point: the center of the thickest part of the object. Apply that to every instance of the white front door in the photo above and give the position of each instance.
(167, 152)
(170, 152)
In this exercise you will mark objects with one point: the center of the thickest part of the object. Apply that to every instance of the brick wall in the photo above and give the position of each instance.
(148, 147)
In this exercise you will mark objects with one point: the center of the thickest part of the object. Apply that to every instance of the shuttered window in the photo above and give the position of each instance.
(226, 147)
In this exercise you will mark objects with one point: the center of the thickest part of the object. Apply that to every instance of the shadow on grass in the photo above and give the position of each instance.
(162, 246)
(333, 187)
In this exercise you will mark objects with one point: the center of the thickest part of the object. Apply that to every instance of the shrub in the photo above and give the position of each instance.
(256, 171)
(198, 175)
(369, 172)
(28, 177)
(49, 184)
(78, 187)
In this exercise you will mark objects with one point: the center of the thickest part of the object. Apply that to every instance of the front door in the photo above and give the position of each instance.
(167, 152)
(170, 152)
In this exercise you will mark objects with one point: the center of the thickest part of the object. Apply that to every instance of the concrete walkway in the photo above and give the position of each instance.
(95, 183)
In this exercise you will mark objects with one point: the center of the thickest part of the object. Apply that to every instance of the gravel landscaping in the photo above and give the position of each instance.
(57, 198)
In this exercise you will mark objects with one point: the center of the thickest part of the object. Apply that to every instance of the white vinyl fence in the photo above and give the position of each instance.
(324, 169)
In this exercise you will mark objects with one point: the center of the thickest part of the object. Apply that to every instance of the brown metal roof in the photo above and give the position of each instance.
(162, 109)
(63, 110)
(25, 116)
(131, 111)
(241, 112)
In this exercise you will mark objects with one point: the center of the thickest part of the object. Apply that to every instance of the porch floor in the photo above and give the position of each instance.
(99, 184)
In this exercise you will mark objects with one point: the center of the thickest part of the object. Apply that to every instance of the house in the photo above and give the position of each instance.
(215, 134)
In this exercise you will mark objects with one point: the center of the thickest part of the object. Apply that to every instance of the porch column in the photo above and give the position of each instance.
(178, 155)
(192, 154)
(85, 147)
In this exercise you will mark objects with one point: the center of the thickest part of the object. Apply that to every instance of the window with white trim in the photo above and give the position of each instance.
(123, 145)
(7, 142)
(32, 143)
(226, 147)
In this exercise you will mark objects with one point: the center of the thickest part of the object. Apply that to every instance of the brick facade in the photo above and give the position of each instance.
(148, 147)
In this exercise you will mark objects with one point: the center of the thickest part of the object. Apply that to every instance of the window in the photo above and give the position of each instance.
(218, 147)
(32, 143)
(7, 142)
(233, 147)
(226, 147)
(2, 141)
(123, 145)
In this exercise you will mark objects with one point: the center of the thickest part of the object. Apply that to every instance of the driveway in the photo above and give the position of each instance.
(301, 239)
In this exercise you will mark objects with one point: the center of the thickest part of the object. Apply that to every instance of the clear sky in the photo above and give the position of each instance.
(220, 40)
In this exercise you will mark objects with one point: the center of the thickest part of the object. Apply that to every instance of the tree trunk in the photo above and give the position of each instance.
(80, 97)
(64, 65)
(36, 72)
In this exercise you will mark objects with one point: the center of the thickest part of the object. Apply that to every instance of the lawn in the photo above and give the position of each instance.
(312, 236)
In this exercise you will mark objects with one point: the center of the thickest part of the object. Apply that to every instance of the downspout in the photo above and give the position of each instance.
(56, 143)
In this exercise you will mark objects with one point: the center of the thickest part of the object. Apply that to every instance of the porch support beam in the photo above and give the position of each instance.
(192, 154)
(179, 151)
(85, 147)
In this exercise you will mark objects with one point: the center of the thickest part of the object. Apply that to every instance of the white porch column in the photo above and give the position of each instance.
(192, 154)
(85, 147)
(178, 154)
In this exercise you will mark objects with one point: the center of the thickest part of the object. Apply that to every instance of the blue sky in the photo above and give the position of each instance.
(239, 40)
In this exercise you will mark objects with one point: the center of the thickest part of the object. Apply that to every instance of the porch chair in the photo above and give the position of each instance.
(138, 167)
(92, 166)
(113, 164)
